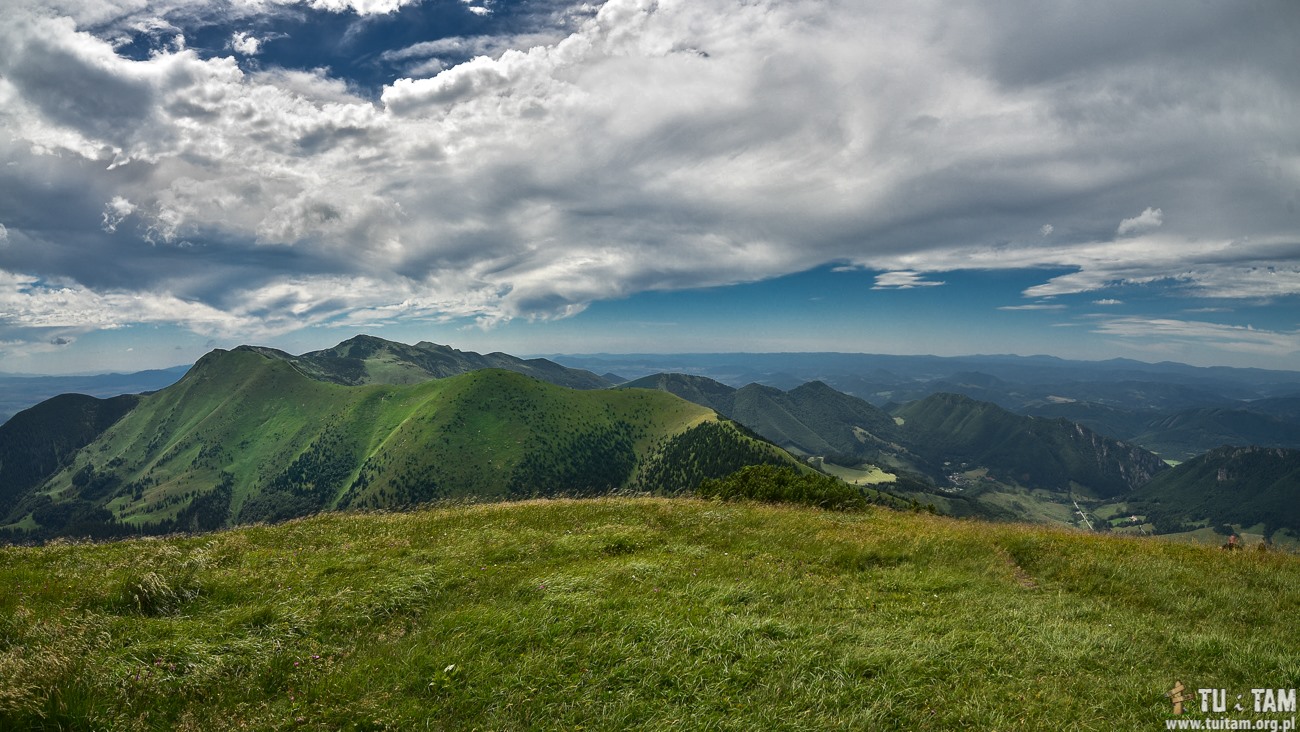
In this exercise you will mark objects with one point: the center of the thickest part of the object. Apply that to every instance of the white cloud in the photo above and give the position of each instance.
(1150, 218)
(1107, 301)
(360, 7)
(902, 280)
(1218, 336)
(1034, 306)
(466, 47)
(115, 212)
(656, 146)
(245, 43)
(4, 234)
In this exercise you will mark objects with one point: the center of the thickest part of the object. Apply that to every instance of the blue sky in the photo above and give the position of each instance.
(1087, 180)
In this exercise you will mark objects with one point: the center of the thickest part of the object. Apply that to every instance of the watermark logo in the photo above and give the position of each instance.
(1177, 696)
(1236, 711)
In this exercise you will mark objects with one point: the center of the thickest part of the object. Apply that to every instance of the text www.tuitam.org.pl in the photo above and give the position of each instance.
(1218, 701)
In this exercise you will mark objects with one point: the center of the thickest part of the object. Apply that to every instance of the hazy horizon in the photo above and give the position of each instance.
(561, 356)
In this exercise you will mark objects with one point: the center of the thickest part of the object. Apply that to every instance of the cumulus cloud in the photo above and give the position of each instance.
(652, 146)
(245, 43)
(115, 212)
(1108, 301)
(1151, 218)
(467, 47)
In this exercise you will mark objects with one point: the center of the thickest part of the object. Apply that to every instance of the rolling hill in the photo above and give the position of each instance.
(1243, 486)
(245, 436)
(1172, 409)
(701, 390)
(812, 419)
(1184, 435)
(1033, 452)
(37, 441)
(936, 436)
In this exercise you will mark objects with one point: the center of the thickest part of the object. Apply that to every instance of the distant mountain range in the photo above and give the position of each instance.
(942, 438)
(257, 434)
(20, 392)
(1174, 410)
(867, 375)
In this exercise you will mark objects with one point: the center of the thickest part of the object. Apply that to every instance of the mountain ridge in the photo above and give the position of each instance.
(211, 451)
(365, 359)
(245, 436)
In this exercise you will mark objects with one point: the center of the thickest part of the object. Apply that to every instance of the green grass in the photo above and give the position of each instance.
(1038, 506)
(634, 614)
(864, 475)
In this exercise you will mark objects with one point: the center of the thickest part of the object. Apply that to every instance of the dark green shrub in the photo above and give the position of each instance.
(778, 484)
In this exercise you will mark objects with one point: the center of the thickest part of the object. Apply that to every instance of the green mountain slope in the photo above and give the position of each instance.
(812, 419)
(1285, 408)
(245, 436)
(35, 442)
(1184, 434)
(646, 614)
(698, 389)
(939, 435)
(817, 420)
(1190, 433)
(1245, 486)
(1029, 451)
(369, 360)
(1121, 424)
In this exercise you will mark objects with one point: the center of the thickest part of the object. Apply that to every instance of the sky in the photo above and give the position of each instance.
(1088, 180)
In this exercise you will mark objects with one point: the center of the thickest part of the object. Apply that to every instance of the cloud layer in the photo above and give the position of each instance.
(660, 145)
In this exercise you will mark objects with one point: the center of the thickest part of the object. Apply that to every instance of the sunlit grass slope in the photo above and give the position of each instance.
(634, 614)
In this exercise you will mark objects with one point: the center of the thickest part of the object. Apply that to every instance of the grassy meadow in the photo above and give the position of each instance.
(624, 613)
